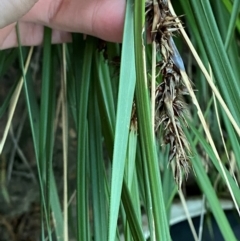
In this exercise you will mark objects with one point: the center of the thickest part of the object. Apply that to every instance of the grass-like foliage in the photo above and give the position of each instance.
(134, 123)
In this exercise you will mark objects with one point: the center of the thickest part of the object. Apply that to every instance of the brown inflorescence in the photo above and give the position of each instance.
(170, 108)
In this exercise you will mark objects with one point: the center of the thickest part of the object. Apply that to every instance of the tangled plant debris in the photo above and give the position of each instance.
(170, 108)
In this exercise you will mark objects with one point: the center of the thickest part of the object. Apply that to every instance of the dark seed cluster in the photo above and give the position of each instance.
(170, 107)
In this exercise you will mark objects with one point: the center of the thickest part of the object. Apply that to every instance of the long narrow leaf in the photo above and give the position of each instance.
(217, 55)
(82, 207)
(124, 107)
(213, 201)
(145, 128)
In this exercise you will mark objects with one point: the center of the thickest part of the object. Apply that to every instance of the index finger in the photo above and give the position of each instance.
(12, 10)
(101, 18)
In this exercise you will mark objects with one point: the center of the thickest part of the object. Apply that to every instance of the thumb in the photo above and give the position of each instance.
(12, 10)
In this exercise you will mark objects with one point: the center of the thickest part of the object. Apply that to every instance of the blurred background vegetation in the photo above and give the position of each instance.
(78, 160)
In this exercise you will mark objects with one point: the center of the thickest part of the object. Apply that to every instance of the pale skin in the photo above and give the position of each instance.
(100, 18)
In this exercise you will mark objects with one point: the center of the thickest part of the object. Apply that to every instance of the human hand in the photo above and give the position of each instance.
(100, 18)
